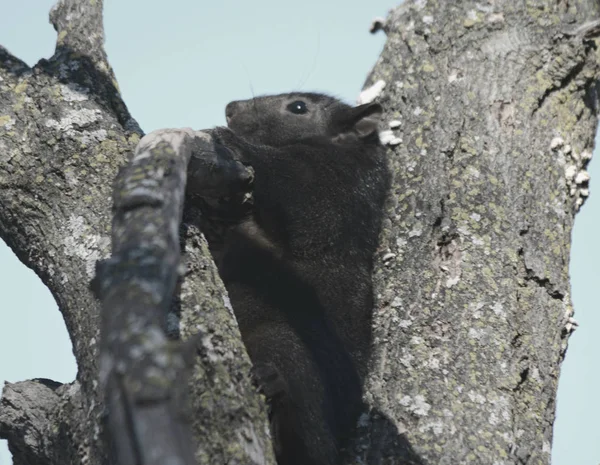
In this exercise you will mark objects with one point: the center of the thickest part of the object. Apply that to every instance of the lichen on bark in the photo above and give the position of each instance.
(492, 108)
(64, 133)
(498, 105)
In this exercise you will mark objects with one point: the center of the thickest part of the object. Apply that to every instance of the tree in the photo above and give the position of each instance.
(497, 107)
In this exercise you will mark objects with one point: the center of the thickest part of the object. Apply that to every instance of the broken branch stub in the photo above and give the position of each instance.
(142, 372)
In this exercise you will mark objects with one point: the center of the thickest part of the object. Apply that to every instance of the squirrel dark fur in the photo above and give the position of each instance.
(298, 266)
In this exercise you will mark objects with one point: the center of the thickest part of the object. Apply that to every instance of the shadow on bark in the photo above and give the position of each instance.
(380, 442)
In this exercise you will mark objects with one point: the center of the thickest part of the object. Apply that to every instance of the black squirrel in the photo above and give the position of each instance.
(298, 266)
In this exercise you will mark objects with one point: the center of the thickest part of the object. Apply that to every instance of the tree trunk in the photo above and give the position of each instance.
(497, 106)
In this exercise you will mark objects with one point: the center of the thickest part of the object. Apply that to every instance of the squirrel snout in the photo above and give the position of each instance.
(230, 110)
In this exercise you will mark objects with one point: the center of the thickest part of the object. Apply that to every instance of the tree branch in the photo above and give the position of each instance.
(141, 371)
(39, 418)
(64, 132)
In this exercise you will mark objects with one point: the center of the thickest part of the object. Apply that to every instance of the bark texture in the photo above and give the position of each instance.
(64, 132)
(143, 374)
(498, 106)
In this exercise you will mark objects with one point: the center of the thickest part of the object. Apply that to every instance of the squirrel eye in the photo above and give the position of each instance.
(298, 107)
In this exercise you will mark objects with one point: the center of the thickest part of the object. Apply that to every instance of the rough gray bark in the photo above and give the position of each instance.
(498, 106)
(498, 103)
(64, 132)
(142, 373)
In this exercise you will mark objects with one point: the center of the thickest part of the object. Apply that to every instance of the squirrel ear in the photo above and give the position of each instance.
(366, 118)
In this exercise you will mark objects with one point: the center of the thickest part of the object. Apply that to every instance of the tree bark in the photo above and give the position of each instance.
(497, 107)
(64, 132)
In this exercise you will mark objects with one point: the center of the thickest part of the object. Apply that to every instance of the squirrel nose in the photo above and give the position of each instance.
(230, 110)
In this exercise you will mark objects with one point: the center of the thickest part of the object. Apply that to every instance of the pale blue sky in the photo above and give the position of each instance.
(178, 63)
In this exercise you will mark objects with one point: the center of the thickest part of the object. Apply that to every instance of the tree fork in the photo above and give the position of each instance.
(497, 107)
